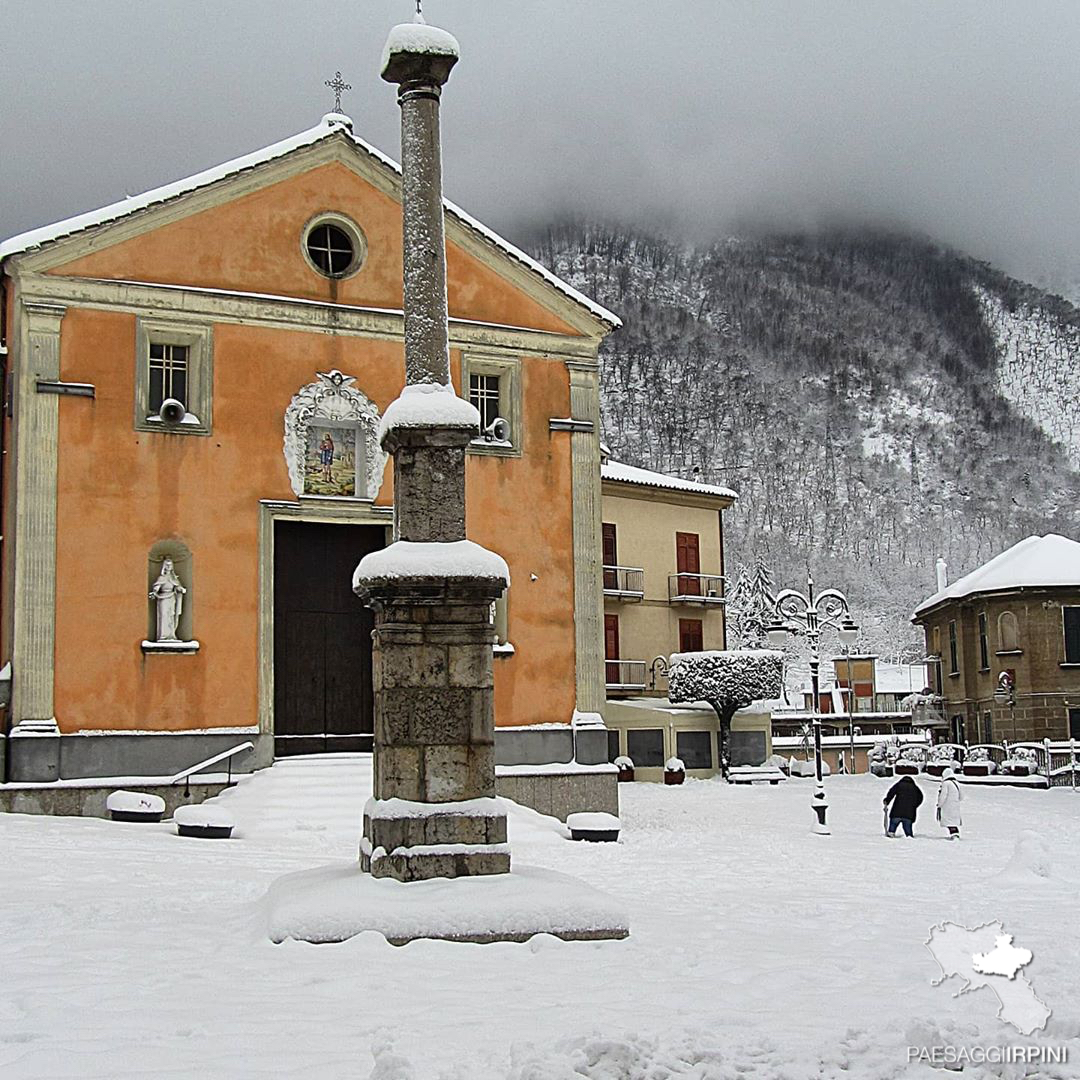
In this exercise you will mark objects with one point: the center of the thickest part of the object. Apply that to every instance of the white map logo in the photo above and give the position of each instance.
(985, 956)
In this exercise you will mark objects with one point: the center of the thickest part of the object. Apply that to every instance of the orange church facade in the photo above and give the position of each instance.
(260, 302)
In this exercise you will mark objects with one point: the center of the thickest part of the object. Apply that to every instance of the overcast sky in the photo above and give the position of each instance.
(957, 118)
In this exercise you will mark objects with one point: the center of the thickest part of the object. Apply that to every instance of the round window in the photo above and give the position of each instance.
(334, 247)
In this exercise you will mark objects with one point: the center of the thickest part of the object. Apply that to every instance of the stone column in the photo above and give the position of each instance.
(433, 811)
(37, 757)
(420, 77)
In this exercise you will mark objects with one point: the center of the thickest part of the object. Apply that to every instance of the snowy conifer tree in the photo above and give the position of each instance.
(728, 681)
(751, 605)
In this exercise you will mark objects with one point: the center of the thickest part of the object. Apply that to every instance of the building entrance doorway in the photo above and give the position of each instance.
(323, 701)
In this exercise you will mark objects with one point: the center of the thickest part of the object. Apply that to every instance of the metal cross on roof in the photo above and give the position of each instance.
(338, 85)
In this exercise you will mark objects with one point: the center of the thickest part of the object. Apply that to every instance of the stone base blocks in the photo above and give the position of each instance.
(412, 841)
(434, 811)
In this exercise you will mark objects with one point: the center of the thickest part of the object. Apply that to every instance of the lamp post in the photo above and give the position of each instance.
(805, 615)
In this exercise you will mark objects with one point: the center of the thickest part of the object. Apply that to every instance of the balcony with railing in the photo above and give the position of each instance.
(624, 582)
(695, 589)
(625, 675)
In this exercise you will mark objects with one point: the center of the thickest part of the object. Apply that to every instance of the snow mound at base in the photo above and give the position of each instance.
(1030, 861)
(585, 821)
(335, 903)
(135, 802)
(798, 767)
(204, 816)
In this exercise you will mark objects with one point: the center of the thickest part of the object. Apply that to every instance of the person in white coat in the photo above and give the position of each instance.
(948, 804)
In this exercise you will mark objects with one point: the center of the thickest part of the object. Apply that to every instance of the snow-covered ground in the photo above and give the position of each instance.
(756, 949)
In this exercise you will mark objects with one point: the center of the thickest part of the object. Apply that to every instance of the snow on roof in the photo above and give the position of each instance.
(1035, 562)
(658, 704)
(331, 124)
(630, 474)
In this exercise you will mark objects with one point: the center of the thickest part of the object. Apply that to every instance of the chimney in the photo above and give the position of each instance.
(942, 575)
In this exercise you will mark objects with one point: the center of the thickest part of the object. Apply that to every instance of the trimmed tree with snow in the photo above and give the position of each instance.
(728, 681)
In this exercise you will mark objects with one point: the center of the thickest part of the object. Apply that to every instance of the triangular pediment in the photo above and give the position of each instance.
(240, 228)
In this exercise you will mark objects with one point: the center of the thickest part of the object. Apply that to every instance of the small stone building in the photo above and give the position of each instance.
(1018, 615)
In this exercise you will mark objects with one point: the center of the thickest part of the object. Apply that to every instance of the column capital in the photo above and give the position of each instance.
(44, 316)
(419, 57)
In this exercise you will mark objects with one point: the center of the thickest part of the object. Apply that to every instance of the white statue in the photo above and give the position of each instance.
(169, 594)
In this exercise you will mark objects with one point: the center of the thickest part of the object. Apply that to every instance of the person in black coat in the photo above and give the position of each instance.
(905, 797)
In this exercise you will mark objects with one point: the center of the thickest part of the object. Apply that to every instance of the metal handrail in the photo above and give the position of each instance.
(229, 754)
(624, 670)
(628, 581)
(699, 588)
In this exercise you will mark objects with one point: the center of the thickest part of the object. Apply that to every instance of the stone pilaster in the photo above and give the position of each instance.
(36, 423)
(588, 571)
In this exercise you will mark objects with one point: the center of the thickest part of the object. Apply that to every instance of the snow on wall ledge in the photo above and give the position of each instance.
(414, 559)
(396, 809)
(429, 405)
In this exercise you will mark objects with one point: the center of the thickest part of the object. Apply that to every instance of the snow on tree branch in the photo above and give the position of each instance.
(730, 680)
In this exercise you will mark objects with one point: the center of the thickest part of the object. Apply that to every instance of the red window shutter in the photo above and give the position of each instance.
(611, 556)
(688, 561)
(611, 648)
(691, 637)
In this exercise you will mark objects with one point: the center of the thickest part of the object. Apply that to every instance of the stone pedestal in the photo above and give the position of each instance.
(433, 813)
(34, 748)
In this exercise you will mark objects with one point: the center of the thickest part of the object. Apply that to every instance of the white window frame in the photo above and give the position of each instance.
(198, 339)
(508, 370)
(1064, 640)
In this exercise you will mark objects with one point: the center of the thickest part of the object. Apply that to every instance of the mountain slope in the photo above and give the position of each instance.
(877, 401)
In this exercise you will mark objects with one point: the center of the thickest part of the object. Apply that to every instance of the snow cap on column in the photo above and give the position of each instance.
(429, 405)
(415, 49)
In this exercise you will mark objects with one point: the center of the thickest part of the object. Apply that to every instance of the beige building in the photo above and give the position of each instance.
(663, 552)
(663, 555)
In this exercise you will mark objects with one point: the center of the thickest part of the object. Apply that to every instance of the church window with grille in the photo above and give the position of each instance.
(484, 394)
(330, 249)
(493, 384)
(173, 367)
(334, 246)
(168, 374)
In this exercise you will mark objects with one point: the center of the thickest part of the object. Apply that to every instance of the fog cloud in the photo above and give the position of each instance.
(955, 118)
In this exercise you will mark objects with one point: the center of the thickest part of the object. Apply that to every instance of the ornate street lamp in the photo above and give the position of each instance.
(805, 615)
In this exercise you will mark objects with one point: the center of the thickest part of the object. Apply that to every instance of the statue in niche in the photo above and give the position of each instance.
(169, 594)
